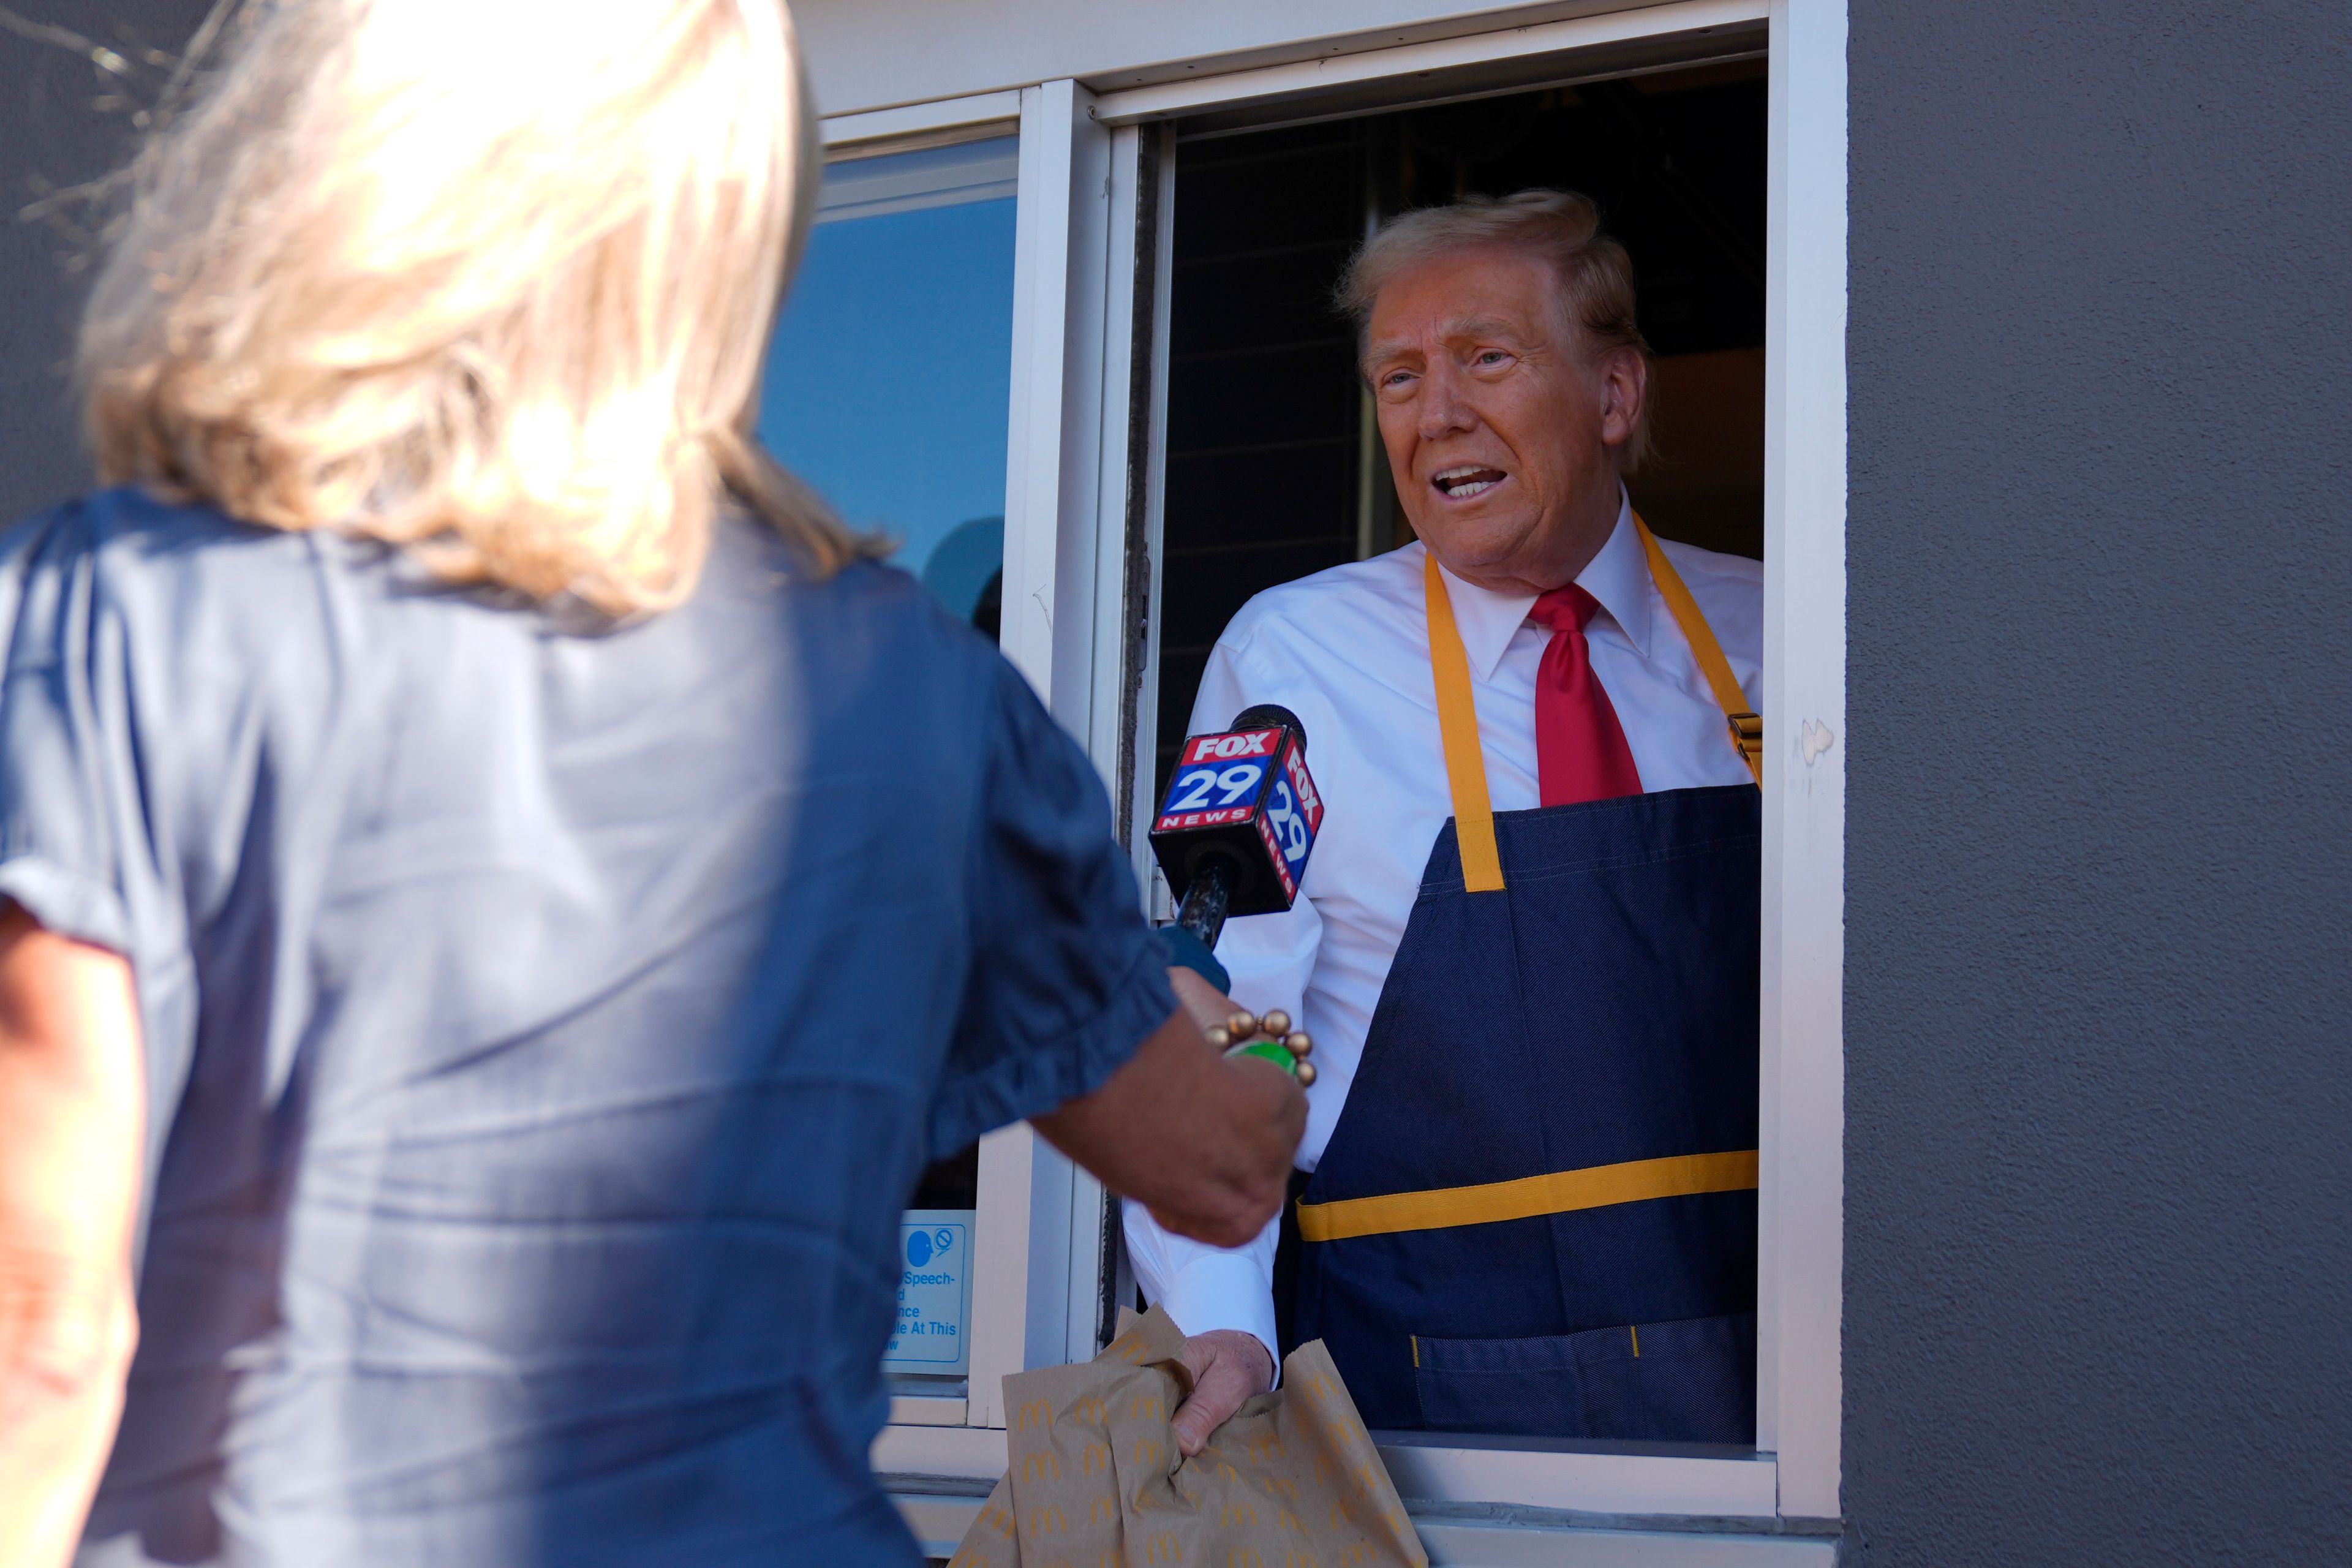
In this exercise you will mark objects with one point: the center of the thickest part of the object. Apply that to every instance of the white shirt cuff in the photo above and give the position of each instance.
(1224, 1290)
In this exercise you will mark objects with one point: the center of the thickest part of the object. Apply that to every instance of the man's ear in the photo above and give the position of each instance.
(1625, 385)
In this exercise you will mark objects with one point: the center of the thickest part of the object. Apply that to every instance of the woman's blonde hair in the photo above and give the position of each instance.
(1595, 274)
(488, 278)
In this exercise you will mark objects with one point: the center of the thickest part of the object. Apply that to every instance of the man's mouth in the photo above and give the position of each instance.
(1469, 480)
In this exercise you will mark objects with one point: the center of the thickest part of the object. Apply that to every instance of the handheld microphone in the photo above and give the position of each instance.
(1239, 821)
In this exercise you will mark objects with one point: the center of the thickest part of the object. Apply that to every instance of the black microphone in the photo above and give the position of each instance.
(1239, 821)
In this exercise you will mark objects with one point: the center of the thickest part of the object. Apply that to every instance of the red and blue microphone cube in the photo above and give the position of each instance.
(1241, 811)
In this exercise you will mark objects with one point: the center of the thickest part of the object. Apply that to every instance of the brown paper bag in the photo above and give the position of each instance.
(1291, 1482)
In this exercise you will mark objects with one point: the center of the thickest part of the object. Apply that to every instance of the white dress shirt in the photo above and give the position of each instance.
(1348, 651)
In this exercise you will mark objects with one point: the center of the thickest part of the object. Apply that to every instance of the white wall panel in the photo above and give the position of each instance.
(1798, 1387)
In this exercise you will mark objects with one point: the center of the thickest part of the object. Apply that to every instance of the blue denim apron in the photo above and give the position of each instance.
(1536, 1214)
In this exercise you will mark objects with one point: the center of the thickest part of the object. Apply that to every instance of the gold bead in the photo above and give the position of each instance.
(1276, 1023)
(1299, 1045)
(1306, 1075)
(1242, 1026)
(1219, 1037)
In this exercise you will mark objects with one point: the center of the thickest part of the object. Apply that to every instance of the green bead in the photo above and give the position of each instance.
(1268, 1050)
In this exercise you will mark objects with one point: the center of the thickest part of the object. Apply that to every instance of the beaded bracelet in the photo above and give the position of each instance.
(1286, 1048)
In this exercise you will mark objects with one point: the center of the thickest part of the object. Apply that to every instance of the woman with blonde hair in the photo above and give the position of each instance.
(499, 893)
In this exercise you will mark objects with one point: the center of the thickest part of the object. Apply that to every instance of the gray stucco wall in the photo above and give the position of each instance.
(2099, 982)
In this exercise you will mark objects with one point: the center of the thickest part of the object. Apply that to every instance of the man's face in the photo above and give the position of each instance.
(1501, 434)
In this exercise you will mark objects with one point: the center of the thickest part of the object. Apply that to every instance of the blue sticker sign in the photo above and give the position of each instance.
(932, 1333)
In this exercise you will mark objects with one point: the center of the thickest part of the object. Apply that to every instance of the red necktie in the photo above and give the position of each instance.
(1581, 750)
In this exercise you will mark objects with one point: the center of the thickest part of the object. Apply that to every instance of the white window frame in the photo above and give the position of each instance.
(1037, 1233)
(1065, 618)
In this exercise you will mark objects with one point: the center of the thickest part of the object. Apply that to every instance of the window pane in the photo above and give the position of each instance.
(888, 386)
(888, 378)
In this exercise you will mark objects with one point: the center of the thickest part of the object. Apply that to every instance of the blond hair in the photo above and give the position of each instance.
(1595, 275)
(488, 278)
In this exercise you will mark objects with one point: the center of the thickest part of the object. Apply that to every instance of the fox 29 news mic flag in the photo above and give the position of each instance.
(1239, 821)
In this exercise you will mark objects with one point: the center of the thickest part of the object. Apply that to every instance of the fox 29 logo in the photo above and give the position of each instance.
(1218, 779)
(1221, 779)
(1293, 814)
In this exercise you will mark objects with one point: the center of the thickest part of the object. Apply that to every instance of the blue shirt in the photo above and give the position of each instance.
(545, 1024)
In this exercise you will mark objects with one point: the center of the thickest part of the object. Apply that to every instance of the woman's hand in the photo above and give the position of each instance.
(1204, 1142)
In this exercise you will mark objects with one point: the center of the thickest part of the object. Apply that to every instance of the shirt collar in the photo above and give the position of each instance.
(1619, 577)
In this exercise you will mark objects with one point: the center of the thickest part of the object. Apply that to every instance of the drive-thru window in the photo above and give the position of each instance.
(1099, 290)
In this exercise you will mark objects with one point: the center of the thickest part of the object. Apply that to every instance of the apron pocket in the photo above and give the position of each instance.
(1688, 1381)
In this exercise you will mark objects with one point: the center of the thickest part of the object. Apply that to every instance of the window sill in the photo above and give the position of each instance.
(1503, 1501)
(1689, 1480)
(928, 1409)
(938, 1510)
(1521, 1472)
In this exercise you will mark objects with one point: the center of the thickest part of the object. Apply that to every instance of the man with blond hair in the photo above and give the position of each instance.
(1528, 945)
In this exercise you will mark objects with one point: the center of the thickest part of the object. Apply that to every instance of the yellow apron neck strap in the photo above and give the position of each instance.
(1457, 711)
(1457, 722)
(1747, 729)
